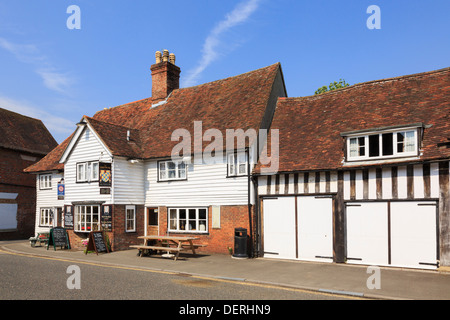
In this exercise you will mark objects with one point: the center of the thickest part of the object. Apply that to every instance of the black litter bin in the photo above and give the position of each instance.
(240, 243)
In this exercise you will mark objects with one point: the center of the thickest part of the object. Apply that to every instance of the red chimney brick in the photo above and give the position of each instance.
(165, 76)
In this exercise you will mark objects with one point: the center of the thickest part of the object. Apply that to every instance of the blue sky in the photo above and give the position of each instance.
(56, 74)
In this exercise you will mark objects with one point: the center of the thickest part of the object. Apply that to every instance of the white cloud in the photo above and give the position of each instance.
(28, 53)
(54, 80)
(23, 52)
(240, 14)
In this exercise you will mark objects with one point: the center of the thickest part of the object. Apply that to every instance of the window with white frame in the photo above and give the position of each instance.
(46, 218)
(87, 218)
(170, 170)
(380, 145)
(87, 171)
(188, 220)
(130, 218)
(237, 164)
(45, 181)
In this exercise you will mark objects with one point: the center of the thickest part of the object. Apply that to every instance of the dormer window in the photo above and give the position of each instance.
(381, 144)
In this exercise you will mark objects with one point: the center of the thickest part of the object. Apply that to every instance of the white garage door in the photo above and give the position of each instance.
(414, 237)
(311, 239)
(393, 233)
(315, 228)
(367, 233)
(279, 228)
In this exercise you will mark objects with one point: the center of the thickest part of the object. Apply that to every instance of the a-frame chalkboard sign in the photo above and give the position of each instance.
(58, 238)
(96, 243)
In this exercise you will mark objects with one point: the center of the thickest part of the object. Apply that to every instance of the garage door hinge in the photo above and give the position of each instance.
(429, 264)
(322, 257)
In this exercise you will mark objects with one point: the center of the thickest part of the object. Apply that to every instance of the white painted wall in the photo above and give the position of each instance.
(206, 184)
(47, 198)
(128, 182)
(88, 148)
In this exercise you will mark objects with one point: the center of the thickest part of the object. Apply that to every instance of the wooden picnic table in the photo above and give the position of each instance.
(168, 244)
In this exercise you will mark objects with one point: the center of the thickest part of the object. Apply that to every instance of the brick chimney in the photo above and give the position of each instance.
(165, 76)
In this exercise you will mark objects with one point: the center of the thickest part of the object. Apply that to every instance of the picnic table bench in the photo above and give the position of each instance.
(167, 244)
(40, 238)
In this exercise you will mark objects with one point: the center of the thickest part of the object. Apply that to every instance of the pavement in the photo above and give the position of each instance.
(338, 279)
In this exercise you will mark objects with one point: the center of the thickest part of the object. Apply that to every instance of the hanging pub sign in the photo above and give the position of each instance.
(68, 217)
(105, 172)
(106, 220)
(61, 191)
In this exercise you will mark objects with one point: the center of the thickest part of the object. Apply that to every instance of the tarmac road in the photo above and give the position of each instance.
(308, 278)
(38, 278)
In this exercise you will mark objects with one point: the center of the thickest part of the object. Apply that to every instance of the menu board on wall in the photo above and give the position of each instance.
(68, 217)
(106, 220)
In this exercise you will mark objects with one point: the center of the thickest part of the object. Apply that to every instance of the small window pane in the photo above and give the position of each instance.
(353, 147)
(173, 213)
(362, 146)
(172, 174)
(374, 146)
(153, 217)
(410, 142)
(171, 165)
(401, 142)
(94, 172)
(388, 145)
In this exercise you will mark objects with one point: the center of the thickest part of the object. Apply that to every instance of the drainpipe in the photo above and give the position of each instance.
(250, 250)
(258, 216)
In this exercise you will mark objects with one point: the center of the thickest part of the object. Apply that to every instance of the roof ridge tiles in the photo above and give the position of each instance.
(361, 84)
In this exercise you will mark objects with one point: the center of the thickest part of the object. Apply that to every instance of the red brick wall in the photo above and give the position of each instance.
(119, 239)
(165, 79)
(217, 240)
(14, 180)
(26, 212)
(12, 166)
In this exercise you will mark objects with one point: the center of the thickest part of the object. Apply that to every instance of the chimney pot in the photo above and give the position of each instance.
(158, 56)
(166, 55)
(172, 58)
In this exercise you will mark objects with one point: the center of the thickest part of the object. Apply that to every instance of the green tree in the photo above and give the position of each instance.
(333, 86)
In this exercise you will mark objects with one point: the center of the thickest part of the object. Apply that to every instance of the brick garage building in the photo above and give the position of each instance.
(23, 141)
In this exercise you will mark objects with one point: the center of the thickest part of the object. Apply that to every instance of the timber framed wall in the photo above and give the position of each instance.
(411, 182)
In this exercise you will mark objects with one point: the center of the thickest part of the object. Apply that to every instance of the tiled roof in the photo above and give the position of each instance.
(19, 132)
(51, 161)
(310, 127)
(237, 102)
